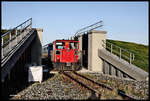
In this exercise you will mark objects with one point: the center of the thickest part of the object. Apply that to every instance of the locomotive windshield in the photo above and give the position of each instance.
(60, 45)
(66, 45)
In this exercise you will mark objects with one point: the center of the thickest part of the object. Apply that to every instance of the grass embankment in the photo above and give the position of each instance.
(140, 51)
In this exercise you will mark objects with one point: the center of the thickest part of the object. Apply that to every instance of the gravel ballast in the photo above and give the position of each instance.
(52, 89)
(136, 89)
(58, 88)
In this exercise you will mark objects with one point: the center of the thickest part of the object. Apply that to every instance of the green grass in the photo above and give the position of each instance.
(140, 51)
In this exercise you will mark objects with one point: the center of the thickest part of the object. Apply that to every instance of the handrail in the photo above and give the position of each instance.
(121, 56)
(19, 32)
(16, 27)
(89, 28)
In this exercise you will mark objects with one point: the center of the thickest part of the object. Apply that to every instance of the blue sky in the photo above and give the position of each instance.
(125, 21)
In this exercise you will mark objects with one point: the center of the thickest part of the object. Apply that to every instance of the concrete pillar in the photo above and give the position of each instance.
(72, 38)
(80, 42)
(113, 71)
(120, 74)
(103, 70)
(80, 48)
(94, 43)
(36, 48)
(106, 68)
(90, 52)
(110, 69)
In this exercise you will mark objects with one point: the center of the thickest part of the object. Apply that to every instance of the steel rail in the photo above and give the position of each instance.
(99, 84)
(90, 88)
(120, 92)
(82, 85)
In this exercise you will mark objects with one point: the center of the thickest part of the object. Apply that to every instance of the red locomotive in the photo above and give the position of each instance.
(64, 52)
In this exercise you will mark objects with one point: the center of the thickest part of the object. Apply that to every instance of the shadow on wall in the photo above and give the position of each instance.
(85, 50)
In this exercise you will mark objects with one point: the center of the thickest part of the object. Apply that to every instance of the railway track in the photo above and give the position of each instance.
(125, 96)
(87, 83)
(95, 89)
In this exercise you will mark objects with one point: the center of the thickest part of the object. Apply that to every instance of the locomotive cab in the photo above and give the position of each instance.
(65, 52)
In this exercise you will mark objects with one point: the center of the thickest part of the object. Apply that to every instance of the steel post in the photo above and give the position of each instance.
(120, 53)
(111, 48)
(16, 37)
(130, 58)
(133, 57)
(9, 41)
(2, 49)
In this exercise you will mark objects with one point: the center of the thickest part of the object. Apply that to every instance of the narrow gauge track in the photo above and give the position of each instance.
(91, 85)
(86, 83)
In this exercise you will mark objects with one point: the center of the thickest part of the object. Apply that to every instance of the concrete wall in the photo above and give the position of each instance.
(80, 42)
(94, 43)
(113, 71)
(123, 68)
(36, 48)
(90, 52)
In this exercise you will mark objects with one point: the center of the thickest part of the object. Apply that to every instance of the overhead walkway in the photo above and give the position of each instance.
(13, 45)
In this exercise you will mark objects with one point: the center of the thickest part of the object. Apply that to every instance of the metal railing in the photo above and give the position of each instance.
(89, 28)
(45, 48)
(120, 52)
(13, 37)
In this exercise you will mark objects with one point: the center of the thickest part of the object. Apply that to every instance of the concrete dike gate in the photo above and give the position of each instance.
(95, 57)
